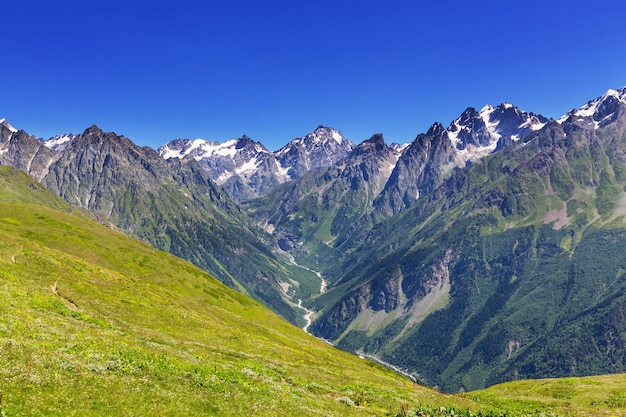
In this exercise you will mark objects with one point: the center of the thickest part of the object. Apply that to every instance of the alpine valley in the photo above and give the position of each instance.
(487, 251)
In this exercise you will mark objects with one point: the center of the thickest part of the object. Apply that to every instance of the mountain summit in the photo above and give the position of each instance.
(478, 133)
(6, 124)
(599, 112)
(429, 159)
(246, 169)
(316, 150)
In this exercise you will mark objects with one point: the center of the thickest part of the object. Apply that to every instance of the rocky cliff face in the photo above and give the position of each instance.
(23, 151)
(421, 167)
(433, 155)
(317, 150)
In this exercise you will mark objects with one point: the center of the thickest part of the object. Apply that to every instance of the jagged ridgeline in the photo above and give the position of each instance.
(170, 203)
(325, 214)
(512, 268)
(247, 169)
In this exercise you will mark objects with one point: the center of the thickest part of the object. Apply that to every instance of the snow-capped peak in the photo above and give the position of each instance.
(322, 134)
(202, 148)
(4, 122)
(476, 134)
(399, 147)
(197, 148)
(59, 142)
(599, 109)
(321, 138)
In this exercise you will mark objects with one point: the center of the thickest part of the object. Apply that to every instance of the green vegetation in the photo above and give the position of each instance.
(531, 242)
(175, 207)
(597, 395)
(95, 323)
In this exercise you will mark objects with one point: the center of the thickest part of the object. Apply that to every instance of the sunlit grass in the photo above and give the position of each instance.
(94, 323)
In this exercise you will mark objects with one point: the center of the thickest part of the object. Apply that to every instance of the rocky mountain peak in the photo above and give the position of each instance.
(93, 130)
(176, 144)
(464, 119)
(375, 145)
(435, 130)
(599, 112)
(324, 134)
(244, 141)
(59, 142)
(250, 145)
(317, 150)
(4, 123)
(475, 134)
(377, 140)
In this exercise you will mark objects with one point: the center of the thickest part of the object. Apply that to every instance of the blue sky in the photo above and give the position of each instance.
(275, 70)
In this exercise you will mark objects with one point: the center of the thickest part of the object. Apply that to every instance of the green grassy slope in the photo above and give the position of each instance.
(174, 206)
(603, 395)
(95, 323)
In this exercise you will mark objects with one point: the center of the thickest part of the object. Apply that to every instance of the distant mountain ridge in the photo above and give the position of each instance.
(324, 204)
(326, 209)
(246, 169)
(431, 156)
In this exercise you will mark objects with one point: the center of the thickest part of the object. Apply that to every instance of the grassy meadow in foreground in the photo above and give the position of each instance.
(95, 323)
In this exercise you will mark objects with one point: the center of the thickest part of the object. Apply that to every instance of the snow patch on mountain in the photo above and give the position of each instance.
(598, 110)
(255, 165)
(199, 149)
(473, 153)
(477, 134)
(492, 126)
(248, 167)
(6, 124)
(399, 147)
(389, 165)
(59, 142)
(283, 172)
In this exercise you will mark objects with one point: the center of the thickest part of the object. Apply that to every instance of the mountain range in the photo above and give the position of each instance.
(246, 169)
(483, 252)
(510, 268)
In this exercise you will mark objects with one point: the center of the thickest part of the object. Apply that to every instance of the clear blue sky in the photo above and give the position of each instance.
(274, 70)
